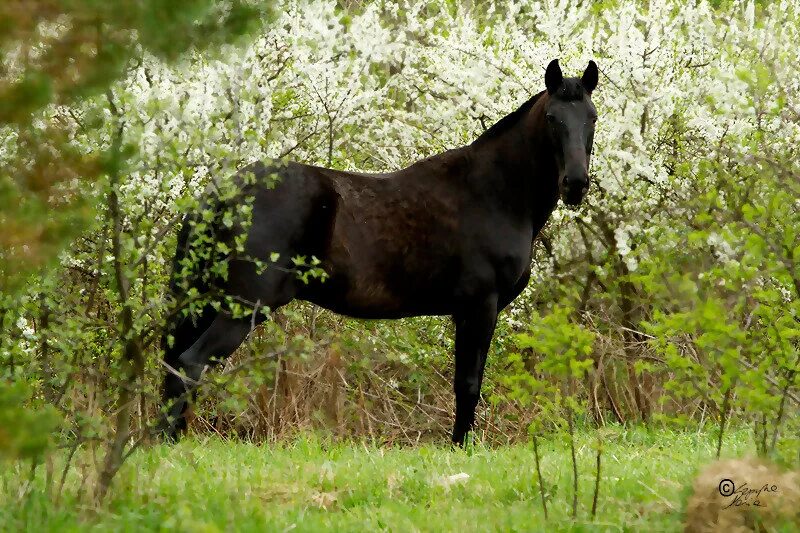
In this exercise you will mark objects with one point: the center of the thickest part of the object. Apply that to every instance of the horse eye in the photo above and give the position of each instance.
(551, 118)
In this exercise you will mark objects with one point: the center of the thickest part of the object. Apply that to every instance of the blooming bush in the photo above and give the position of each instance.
(682, 263)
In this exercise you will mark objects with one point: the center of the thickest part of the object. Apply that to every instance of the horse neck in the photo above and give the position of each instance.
(522, 171)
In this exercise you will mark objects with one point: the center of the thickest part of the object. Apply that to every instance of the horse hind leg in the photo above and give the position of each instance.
(221, 336)
(178, 337)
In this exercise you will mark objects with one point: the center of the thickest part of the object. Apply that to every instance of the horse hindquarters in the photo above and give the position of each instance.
(291, 219)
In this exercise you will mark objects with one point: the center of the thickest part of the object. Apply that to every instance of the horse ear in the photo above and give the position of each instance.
(553, 78)
(589, 78)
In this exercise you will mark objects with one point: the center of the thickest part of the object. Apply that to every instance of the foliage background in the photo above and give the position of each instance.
(671, 297)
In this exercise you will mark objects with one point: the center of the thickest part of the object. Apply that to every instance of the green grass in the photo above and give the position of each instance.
(208, 484)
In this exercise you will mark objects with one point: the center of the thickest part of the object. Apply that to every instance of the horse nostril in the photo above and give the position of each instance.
(581, 184)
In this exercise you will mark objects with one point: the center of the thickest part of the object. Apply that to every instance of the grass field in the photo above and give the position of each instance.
(207, 484)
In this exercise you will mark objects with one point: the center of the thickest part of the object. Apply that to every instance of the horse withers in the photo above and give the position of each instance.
(449, 235)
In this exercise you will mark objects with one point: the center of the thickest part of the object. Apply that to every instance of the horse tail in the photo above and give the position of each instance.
(185, 328)
(182, 327)
(181, 251)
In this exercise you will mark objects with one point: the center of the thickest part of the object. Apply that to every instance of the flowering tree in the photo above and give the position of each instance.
(682, 263)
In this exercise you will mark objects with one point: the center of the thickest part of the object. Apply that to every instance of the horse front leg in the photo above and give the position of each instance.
(474, 329)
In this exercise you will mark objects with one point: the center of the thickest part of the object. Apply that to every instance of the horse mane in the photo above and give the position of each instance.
(508, 121)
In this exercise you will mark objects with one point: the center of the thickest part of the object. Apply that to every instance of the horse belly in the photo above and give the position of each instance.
(362, 295)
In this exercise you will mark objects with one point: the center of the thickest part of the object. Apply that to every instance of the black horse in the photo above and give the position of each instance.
(449, 235)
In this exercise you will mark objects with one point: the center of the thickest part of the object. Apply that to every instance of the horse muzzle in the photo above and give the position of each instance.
(574, 190)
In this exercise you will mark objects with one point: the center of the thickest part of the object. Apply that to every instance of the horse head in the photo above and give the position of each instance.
(571, 117)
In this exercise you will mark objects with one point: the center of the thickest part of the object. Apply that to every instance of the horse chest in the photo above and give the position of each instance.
(495, 260)
(510, 270)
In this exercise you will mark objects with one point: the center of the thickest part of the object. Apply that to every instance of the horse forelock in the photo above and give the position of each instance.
(571, 90)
